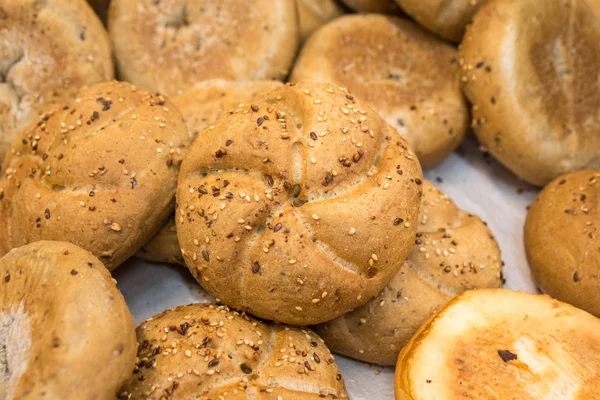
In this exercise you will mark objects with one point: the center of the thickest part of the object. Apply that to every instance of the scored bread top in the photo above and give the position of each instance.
(530, 69)
(169, 45)
(100, 173)
(205, 352)
(49, 50)
(299, 207)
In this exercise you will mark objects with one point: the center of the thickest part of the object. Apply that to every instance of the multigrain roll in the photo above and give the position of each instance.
(204, 351)
(530, 69)
(454, 252)
(48, 50)
(299, 207)
(403, 72)
(502, 344)
(168, 46)
(315, 13)
(65, 330)
(100, 173)
(446, 19)
(201, 106)
(562, 239)
(372, 6)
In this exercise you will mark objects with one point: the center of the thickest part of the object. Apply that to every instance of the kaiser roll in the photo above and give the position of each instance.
(65, 330)
(201, 106)
(204, 351)
(562, 239)
(502, 344)
(454, 251)
(530, 68)
(48, 50)
(299, 207)
(407, 75)
(100, 173)
(167, 46)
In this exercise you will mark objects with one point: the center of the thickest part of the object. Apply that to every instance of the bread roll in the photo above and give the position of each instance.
(203, 351)
(562, 239)
(454, 251)
(406, 74)
(48, 50)
(65, 330)
(372, 6)
(168, 46)
(315, 13)
(502, 344)
(530, 68)
(201, 106)
(100, 173)
(299, 207)
(446, 19)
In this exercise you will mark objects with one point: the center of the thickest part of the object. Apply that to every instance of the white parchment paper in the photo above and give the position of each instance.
(475, 182)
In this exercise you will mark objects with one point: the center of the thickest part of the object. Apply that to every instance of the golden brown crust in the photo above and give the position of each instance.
(73, 176)
(204, 351)
(502, 344)
(447, 19)
(372, 6)
(48, 50)
(200, 106)
(315, 13)
(169, 45)
(403, 72)
(454, 251)
(65, 330)
(562, 239)
(299, 207)
(530, 71)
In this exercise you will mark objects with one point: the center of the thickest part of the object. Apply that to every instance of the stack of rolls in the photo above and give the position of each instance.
(274, 150)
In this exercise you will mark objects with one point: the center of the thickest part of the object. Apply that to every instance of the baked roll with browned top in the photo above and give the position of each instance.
(299, 207)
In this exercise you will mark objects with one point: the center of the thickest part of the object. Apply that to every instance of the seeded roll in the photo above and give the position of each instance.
(167, 46)
(299, 207)
(562, 239)
(372, 6)
(447, 19)
(315, 13)
(484, 339)
(65, 330)
(530, 70)
(100, 173)
(48, 50)
(204, 351)
(454, 251)
(201, 106)
(407, 75)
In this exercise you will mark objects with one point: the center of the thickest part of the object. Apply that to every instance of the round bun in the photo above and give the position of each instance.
(65, 330)
(530, 68)
(454, 252)
(502, 344)
(299, 207)
(372, 6)
(201, 106)
(562, 239)
(447, 19)
(49, 49)
(100, 173)
(403, 72)
(315, 13)
(166, 46)
(203, 351)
